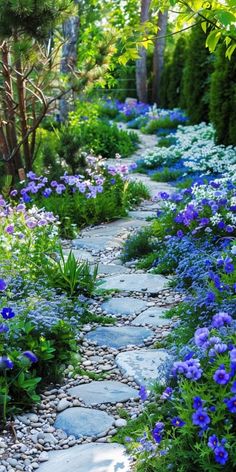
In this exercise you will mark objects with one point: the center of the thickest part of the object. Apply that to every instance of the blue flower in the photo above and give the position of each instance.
(213, 441)
(201, 418)
(157, 432)
(30, 356)
(231, 404)
(143, 393)
(177, 422)
(3, 328)
(6, 363)
(221, 455)
(221, 377)
(7, 313)
(3, 285)
(197, 403)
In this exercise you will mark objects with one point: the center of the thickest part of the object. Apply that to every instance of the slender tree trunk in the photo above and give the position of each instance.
(69, 55)
(9, 111)
(158, 56)
(141, 63)
(23, 114)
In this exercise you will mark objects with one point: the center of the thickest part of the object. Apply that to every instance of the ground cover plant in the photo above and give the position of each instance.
(101, 193)
(192, 239)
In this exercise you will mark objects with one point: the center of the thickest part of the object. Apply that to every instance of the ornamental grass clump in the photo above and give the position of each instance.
(196, 431)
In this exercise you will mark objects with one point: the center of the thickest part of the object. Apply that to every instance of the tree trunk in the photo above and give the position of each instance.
(69, 55)
(158, 56)
(9, 111)
(141, 63)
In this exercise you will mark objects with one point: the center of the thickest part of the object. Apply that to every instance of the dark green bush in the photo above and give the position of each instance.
(223, 98)
(100, 137)
(138, 245)
(174, 86)
(196, 77)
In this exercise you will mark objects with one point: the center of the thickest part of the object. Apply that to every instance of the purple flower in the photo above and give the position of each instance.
(210, 297)
(201, 418)
(47, 192)
(143, 393)
(180, 233)
(233, 388)
(3, 285)
(31, 356)
(13, 193)
(213, 441)
(6, 363)
(177, 422)
(3, 328)
(233, 356)
(221, 319)
(231, 404)
(197, 403)
(167, 393)
(9, 229)
(229, 229)
(157, 431)
(7, 313)
(221, 376)
(221, 455)
(164, 195)
(201, 336)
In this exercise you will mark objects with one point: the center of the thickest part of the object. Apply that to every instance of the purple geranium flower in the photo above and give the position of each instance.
(197, 403)
(177, 422)
(221, 319)
(231, 404)
(201, 418)
(7, 313)
(221, 455)
(213, 441)
(31, 356)
(3, 285)
(221, 376)
(143, 393)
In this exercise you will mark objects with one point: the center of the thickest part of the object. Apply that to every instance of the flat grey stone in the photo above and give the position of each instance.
(112, 269)
(88, 458)
(135, 283)
(145, 366)
(106, 391)
(152, 316)
(80, 254)
(98, 243)
(118, 337)
(123, 306)
(142, 215)
(84, 422)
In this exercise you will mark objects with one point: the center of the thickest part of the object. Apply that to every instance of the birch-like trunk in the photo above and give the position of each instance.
(141, 63)
(158, 56)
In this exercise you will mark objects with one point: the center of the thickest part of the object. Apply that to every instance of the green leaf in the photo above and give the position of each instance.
(230, 51)
(225, 17)
(213, 39)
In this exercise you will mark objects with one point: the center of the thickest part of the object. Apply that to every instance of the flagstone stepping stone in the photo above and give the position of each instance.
(80, 254)
(123, 306)
(135, 283)
(97, 243)
(88, 458)
(152, 316)
(142, 214)
(81, 422)
(119, 337)
(145, 366)
(112, 269)
(107, 391)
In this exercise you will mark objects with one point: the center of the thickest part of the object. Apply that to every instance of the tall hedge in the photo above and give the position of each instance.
(175, 85)
(196, 77)
(223, 98)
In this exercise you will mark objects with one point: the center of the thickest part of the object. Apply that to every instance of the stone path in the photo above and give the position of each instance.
(72, 428)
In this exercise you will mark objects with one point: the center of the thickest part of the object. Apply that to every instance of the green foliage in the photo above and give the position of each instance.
(161, 123)
(46, 157)
(102, 138)
(175, 84)
(223, 98)
(136, 192)
(166, 175)
(138, 245)
(31, 18)
(196, 77)
(67, 274)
